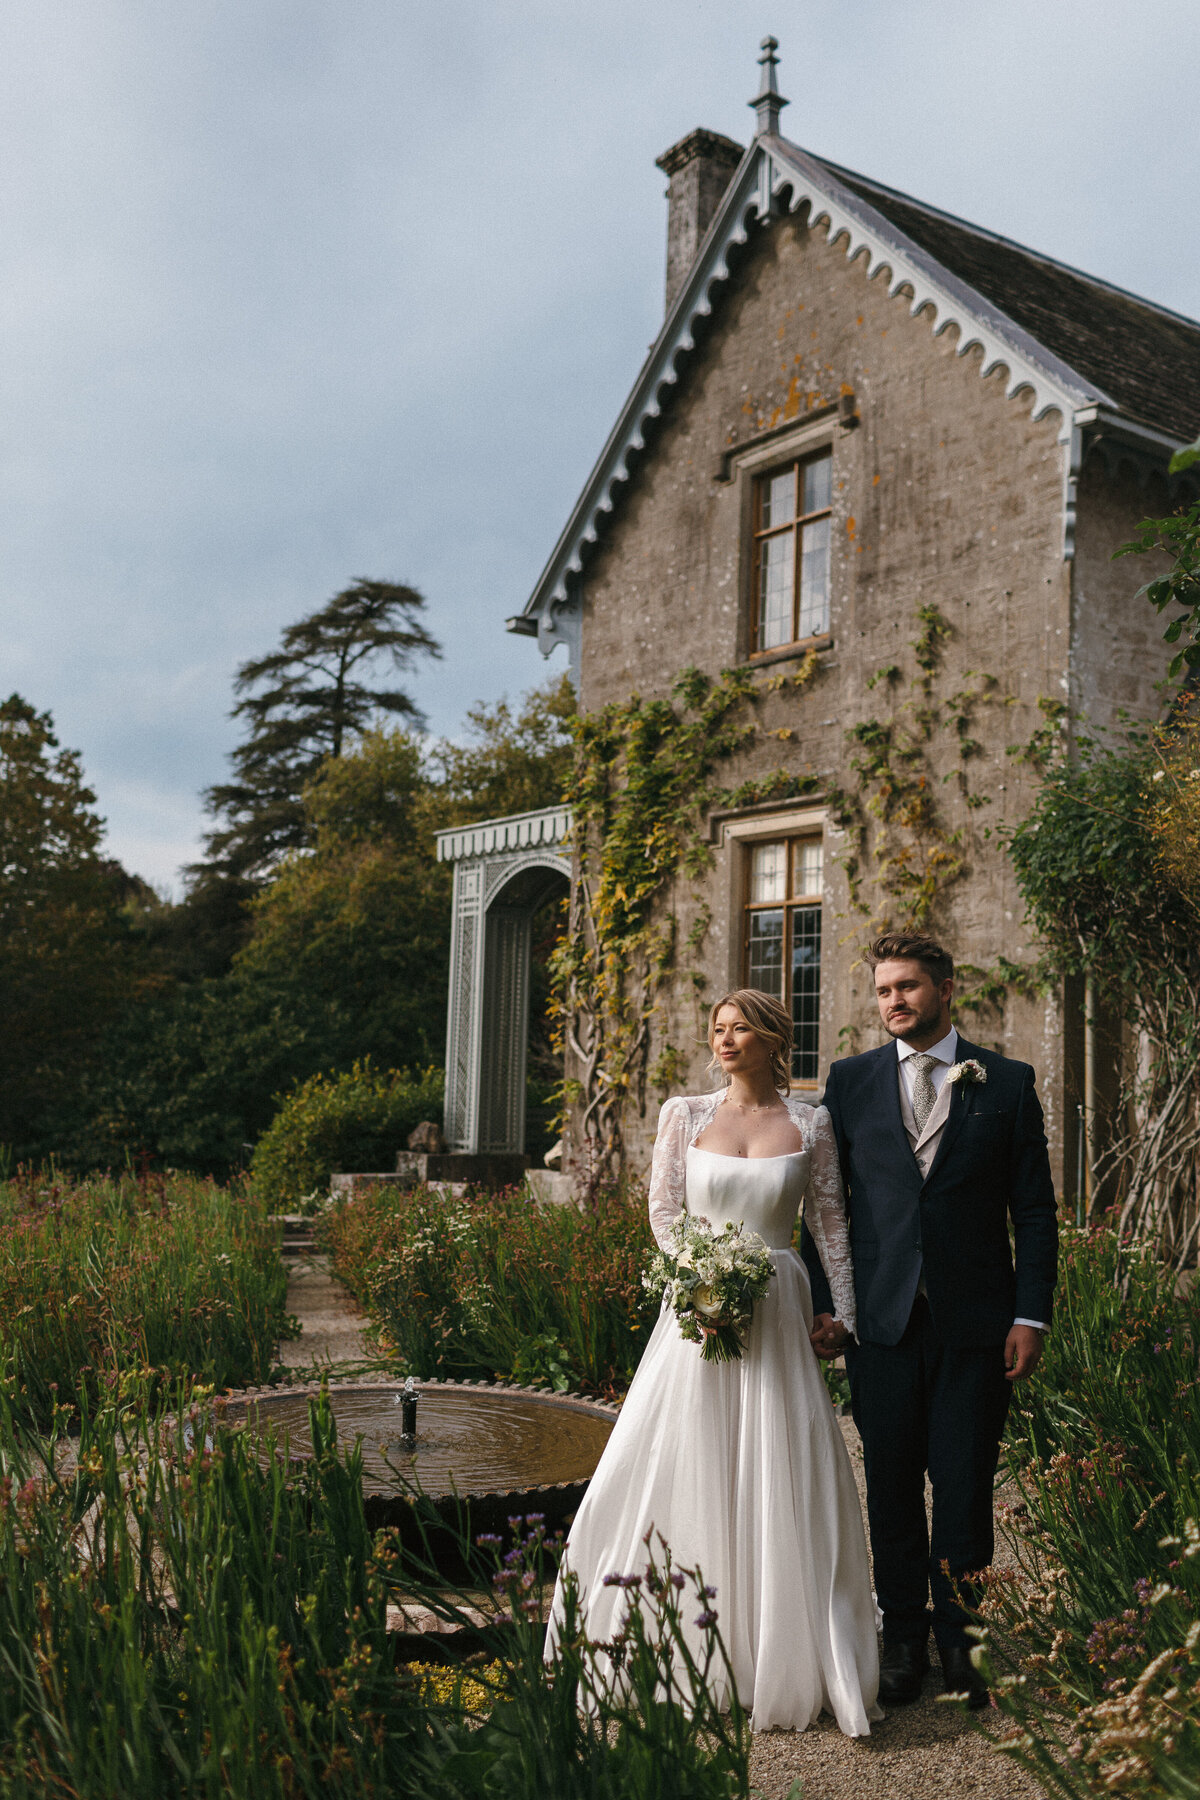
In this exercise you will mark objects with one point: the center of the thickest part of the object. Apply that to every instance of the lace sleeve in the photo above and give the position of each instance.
(825, 1216)
(668, 1171)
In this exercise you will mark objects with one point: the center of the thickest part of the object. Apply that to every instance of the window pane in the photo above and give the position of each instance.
(778, 500)
(818, 477)
(814, 580)
(806, 991)
(765, 962)
(768, 873)
(807, 867)
(775, 577)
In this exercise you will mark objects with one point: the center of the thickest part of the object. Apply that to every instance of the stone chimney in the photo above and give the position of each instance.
(699, 167)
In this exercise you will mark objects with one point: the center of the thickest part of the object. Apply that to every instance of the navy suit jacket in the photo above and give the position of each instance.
(991, 1166)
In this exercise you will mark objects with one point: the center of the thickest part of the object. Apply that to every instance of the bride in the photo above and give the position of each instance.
(740, 1466)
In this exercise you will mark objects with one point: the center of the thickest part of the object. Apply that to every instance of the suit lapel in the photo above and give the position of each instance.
(962, 1100)
(887, 1088)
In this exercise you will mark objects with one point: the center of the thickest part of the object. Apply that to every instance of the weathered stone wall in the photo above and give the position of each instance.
(946, 491)
(1117, 649)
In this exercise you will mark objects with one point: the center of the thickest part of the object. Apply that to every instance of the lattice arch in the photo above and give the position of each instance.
(504, 870)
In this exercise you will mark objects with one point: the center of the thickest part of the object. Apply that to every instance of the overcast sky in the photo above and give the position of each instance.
(300, 290)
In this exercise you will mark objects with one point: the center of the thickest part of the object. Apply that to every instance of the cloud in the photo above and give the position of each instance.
(297, 292)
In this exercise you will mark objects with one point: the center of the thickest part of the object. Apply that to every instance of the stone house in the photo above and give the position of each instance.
(878, 459)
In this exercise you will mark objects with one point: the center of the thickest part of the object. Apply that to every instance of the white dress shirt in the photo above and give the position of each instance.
(946, 1053)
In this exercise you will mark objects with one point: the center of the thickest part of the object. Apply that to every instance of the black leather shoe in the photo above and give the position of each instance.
(962, 1677)
(901, 1667)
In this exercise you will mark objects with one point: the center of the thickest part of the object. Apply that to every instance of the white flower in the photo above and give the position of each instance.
(705, 1302)
(1158, 774)
(971, 1071)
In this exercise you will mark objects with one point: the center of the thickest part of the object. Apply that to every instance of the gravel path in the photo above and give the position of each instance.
(333, 1332)
(928, 1748)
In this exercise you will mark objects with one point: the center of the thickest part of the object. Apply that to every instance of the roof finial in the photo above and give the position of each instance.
(769, 100)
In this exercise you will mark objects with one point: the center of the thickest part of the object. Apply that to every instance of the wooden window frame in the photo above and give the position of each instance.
(795, 526)
(792, 904)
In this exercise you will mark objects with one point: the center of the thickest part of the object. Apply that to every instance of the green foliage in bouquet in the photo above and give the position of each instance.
(712, 1281)
(357, 1120)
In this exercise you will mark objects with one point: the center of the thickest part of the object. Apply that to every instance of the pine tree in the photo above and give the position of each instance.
(305, 704)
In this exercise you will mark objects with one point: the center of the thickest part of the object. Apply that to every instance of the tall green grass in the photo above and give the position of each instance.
(169, 1275)
(1095, 1644)
(492, 1286)
(179, 1618)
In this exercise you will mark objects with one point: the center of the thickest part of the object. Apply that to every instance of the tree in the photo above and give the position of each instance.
(304, 704)
(350, 940)
(1179, 537)
(345, 945)
(512, 761)
(65, 965)
(1106, 862)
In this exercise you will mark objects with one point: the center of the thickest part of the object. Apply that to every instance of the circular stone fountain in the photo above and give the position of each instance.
(491, 1452)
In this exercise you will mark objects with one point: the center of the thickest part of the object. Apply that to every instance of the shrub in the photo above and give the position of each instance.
(170, 1275)
(1094, 1644)
(356, 1121)
(495, 1286)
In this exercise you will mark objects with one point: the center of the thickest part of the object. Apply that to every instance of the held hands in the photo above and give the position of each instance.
(828, 1335)
(1022, 1352)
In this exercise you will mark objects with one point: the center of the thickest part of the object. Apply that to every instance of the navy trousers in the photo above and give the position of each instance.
(919, 1406)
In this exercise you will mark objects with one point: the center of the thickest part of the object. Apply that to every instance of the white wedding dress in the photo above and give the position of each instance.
(741, 1466)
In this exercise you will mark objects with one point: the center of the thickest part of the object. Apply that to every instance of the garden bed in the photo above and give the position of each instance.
(170, 1278)
(492, 1286)
(1096, 1642)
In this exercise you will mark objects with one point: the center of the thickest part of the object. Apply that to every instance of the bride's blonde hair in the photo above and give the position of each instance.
(768, 1019)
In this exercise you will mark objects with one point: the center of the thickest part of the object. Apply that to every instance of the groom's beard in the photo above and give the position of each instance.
(913, 1023)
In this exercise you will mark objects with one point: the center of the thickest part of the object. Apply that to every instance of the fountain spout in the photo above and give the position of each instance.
(408, 1410)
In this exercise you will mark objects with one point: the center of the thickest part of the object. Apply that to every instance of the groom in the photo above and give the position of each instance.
(941, 1144)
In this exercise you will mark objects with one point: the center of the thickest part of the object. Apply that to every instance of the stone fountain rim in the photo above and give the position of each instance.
(310, 1390)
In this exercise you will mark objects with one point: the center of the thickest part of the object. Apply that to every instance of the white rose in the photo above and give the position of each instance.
(705, 1302)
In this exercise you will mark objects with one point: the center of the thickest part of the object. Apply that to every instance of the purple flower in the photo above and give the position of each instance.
(678, 1579)
(705, 1619)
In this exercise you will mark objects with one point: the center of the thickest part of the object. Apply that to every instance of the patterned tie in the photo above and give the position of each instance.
(923, 1092)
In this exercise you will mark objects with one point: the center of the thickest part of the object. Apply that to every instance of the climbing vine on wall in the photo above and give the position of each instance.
(642, 782)
(903, 854)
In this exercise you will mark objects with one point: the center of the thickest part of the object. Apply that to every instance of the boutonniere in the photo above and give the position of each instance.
(970, 1071)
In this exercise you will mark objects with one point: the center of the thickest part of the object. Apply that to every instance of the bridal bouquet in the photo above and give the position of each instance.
(712, 1281)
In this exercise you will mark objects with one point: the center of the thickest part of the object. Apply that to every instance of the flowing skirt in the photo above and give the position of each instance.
(741, 1468)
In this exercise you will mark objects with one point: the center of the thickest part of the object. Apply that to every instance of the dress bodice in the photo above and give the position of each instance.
(764, 1192)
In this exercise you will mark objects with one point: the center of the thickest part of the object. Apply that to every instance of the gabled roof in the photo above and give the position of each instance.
(1078, 345)
(1146, 357)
